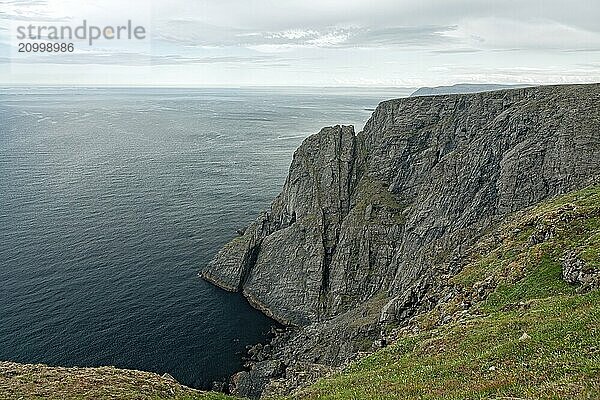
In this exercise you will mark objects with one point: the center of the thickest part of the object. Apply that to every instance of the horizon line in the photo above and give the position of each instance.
(225, 86)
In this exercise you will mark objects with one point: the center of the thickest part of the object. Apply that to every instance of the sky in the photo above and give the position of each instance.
(383, 43)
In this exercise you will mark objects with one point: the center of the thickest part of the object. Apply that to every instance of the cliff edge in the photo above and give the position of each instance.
(369, 226)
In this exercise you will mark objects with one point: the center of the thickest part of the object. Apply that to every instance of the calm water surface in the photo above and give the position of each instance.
(111, 200)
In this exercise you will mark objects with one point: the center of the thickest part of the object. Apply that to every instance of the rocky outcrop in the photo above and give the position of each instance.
(576, 271)
(296, 375)
(299, 234)
(252, 383)
(367, 224)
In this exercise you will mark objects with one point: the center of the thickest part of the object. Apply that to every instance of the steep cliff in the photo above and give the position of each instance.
(370, 213)
(370, 225)
(520, 321)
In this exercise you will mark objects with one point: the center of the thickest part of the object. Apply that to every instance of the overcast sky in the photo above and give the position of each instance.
(308, 42)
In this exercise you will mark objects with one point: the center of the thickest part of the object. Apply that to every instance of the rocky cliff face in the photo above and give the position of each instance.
(368, 224)
(299, 234)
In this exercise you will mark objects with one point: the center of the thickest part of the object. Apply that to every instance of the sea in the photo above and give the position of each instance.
(113, 199)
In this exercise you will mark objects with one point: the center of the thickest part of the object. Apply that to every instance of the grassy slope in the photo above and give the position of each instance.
(488, 355)
(485, 356)
(27, 381)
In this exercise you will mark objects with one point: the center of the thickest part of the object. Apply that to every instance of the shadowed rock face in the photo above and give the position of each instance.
(380, 215)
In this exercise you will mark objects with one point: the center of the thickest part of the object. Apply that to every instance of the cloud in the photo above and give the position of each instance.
(592, 65)
(403, 36)
(551, 74)
(533, 34)
(124, 58)
(198, 34)
(27, 11)
(335, 41)
(457, 51)
(446, 27)
(274, 15)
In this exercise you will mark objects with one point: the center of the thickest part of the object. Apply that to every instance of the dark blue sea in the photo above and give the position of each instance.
(112, 200)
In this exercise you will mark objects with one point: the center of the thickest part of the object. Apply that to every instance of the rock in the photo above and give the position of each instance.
(576, 272)
(368, 212)
(524, 337)
(251, 383)
(297, 375)
(376, 219)
(304, 221)
(572, 268)
(168, 376)
(446, 189)
(219, 386)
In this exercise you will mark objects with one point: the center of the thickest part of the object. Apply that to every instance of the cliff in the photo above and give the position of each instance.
(433, 255)
(371, 213)
(462, 88)
(369, 226)
(519, 321)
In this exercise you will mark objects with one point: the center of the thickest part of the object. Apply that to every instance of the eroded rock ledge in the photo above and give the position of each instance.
(368, 225)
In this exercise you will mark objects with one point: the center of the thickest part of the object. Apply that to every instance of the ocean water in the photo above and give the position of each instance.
(112, 200)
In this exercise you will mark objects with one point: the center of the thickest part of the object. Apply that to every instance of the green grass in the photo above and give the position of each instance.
(376, 194)
(484, 358)
(487, 357)
(528, 269)
(591, 251)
